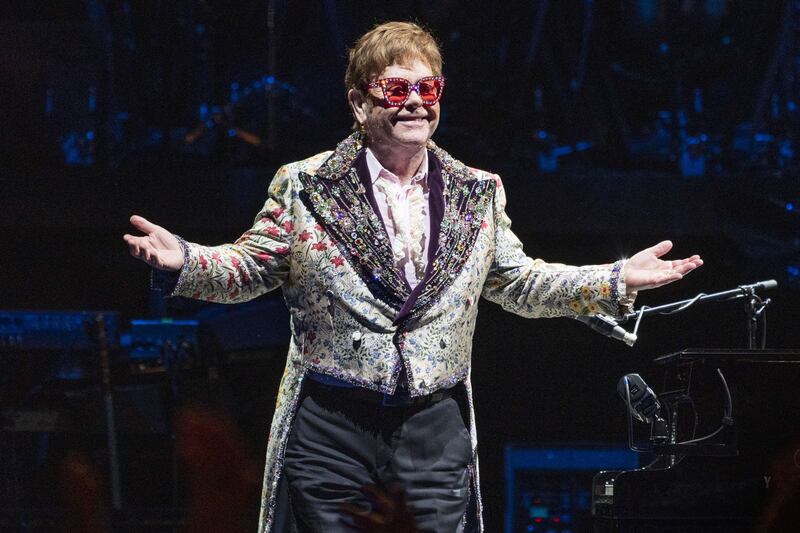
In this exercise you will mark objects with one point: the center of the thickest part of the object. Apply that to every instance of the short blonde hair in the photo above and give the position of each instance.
(386, 44)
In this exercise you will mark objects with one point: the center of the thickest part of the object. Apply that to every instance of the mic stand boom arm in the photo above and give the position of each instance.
(756, 308)
(743, 291)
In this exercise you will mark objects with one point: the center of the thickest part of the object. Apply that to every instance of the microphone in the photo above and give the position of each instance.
(760, 286)
(605, 325)
(642, 402)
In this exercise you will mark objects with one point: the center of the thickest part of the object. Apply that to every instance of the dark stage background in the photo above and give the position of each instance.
(614, 125)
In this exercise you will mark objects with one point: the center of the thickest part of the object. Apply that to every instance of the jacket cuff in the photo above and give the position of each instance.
(619, 290)
(169, 282)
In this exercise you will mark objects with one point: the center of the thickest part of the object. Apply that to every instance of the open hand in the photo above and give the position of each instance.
(646, 270)
(158, 247)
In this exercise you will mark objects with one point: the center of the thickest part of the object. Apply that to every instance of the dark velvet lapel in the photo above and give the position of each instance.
(341, 198)
(461, 203)
(345, 206)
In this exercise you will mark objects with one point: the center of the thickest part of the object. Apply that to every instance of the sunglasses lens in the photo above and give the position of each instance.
(396, 91)
(430, 89)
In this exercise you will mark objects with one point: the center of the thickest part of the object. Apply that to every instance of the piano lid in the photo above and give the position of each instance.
(728, 355)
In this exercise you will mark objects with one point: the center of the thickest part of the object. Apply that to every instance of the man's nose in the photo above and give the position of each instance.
(414, 100)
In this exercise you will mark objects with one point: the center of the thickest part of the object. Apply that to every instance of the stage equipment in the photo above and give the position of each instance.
(101, 339)
(642, 402)
(547, 488)
(160, 345)
(250, 108)
(756, 310)
(53, 330)
(668, 84)
(720, 420)
(67, 383)
(46, 353)
(744, 405)
(605, 325)
(43, 347)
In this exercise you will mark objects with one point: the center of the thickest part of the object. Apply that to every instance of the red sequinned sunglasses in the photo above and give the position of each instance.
(396, 91)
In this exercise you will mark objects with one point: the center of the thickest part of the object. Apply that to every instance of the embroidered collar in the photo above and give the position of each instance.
(341, 160)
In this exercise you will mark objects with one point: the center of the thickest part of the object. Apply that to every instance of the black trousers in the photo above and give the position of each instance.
(341, 441)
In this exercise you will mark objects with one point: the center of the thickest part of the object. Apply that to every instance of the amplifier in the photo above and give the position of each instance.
(548, 488)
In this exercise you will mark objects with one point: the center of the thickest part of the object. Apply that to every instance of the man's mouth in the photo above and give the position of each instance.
(412, 120)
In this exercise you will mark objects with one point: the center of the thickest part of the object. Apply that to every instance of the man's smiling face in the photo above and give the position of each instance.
(404, 127)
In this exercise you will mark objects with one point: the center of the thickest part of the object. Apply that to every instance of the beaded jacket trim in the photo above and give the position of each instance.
(337, 198)
(343, 208)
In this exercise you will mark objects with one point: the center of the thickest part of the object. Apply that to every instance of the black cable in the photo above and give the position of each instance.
(727, 419)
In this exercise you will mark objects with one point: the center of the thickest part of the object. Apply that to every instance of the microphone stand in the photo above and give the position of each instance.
(755, 306)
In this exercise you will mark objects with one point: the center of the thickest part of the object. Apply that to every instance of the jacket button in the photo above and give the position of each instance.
(356, 340)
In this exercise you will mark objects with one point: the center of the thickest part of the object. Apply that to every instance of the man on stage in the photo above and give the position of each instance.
(383, 248)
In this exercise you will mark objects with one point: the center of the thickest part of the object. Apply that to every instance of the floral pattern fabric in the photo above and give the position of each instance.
(353, 316)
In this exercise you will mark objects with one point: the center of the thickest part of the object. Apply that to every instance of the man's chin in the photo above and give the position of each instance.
(416, 138)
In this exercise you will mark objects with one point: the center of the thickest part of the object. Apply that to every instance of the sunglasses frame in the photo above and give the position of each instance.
(381, 83)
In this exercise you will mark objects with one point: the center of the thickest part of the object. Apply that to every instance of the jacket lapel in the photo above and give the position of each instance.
(345, 205)
(458, 204)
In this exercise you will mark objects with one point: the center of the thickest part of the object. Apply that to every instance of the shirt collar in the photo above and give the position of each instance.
(376, 170)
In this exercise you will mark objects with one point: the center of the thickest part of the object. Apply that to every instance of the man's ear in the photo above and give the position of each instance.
(358, 105)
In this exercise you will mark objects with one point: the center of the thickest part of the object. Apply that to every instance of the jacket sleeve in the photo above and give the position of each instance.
(534, 288)
(253, 265)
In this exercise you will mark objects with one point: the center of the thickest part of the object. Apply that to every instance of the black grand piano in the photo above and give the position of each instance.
(730, 448)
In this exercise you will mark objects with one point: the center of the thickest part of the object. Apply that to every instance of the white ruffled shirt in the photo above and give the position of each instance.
(405, 213)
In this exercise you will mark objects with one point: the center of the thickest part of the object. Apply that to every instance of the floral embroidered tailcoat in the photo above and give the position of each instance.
(353, 315)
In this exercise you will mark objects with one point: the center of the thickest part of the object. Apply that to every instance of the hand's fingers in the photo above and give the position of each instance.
(695, 259)
(141, 249)
(661, 248)
(143, 225)
(686, 266)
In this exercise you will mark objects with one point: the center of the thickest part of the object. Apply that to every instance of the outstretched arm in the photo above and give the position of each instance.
(535, 288)
(256, 263)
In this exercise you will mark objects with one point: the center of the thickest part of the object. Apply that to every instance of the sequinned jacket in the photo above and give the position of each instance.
(353, 315)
